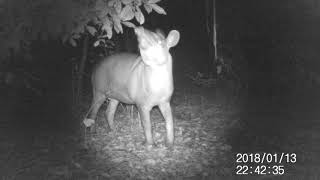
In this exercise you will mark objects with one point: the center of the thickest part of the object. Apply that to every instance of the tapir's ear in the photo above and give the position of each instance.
(173, 38)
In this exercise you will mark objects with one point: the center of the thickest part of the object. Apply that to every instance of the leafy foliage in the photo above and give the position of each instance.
(27, 20)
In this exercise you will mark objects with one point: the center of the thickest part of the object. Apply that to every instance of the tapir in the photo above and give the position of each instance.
(144, 79)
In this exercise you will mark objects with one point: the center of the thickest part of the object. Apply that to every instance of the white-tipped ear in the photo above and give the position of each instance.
(173, 38)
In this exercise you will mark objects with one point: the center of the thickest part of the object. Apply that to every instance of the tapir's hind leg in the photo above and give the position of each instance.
(111, 109)
(97, 100)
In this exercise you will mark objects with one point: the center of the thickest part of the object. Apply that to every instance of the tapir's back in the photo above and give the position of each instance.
(111, 76)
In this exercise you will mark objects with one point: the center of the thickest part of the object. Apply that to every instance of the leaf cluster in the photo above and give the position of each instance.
(28, 20)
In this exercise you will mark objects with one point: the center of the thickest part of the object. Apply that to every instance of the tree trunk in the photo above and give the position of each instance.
(81, 68)
(211, 33)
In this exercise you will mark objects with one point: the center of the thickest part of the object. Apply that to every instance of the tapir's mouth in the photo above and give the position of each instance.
(148, 39)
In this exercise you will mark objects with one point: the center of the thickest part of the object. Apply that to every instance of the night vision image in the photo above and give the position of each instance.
(159, 89)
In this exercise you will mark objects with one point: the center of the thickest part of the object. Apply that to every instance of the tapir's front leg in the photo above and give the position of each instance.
(165, 109)
(145, 118)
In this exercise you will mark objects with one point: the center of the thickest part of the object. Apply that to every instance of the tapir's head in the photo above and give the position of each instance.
(154, 46)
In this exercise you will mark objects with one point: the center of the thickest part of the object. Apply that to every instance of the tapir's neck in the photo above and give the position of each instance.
(157, 71)
(159, 77)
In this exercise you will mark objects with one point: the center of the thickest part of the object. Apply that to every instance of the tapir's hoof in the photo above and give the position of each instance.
(149, 145)
(110, 128)
(169, 145)
(91, 129)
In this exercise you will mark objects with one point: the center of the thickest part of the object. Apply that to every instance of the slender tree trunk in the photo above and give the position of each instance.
(81, 68)
(214, 28)
(211, 33)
